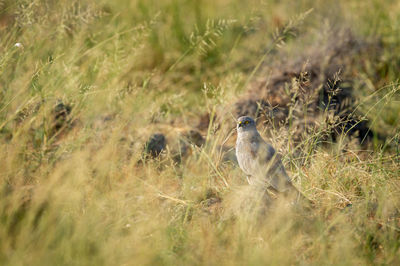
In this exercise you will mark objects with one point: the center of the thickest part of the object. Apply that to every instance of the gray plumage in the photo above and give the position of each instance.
(259, 160)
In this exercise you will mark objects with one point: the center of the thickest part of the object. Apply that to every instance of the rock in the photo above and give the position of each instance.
(184, 146)
(61, 118)
(155, 145)
(194, 137)
(204, 122)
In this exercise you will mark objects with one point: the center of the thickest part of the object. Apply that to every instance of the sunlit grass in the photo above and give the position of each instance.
(79, 190)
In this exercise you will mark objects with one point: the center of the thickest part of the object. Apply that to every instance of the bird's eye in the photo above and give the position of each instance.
(246, 122)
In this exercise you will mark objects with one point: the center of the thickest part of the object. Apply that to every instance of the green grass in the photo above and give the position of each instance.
(85, 195)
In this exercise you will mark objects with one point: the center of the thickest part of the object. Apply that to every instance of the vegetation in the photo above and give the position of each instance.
(83, 84)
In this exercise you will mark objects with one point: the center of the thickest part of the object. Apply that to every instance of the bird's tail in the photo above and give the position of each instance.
(296, 197)
(292, 195)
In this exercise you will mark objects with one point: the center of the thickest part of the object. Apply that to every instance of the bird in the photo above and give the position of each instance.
(261, 163)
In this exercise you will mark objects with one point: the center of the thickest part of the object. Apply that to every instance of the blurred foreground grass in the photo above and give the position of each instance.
(82, 193)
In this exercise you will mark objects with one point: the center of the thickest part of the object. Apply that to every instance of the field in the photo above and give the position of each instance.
(85, 84)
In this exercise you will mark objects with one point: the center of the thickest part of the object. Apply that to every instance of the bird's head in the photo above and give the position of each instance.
(245, 123)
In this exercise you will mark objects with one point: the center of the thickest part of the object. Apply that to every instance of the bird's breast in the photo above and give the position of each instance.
(245, 157)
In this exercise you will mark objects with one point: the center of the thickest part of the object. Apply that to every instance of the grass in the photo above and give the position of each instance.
(83, 193)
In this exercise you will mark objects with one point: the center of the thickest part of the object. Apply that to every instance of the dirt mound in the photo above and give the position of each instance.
(304, 90)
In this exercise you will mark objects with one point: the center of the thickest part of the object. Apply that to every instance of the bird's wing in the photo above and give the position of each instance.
(266, 168)
(269, 165)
